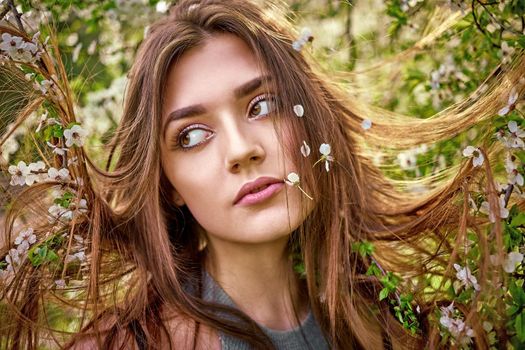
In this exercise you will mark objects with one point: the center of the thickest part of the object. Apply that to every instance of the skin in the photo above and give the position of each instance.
(247, 244)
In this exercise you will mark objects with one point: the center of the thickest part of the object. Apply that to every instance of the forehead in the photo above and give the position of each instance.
(210, 71)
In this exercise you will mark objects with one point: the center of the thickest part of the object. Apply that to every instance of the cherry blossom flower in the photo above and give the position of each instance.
(407, 4)
(44, 86)
(511, 103)
(25, 239)
(11, 44)
(366, 124)
(407, 160)
(514, 177)
(512, 259)
(60, 284)
(298, 110)
(455, 325)
(474, 152)
(58, 175)
(293, 180)
(503, 213)
(35, 174)
(506, 52)
(306, 36)
(61, 151)
(465, 278)
(19, 173)
(305, 149)
(325, 150)
(75, 136)
(514, 138)
(13, 259)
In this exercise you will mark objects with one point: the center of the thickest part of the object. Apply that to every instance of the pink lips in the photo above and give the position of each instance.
(249, 193)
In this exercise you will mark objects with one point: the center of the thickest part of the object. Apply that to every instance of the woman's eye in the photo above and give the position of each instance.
(262, 107)
(193, 137)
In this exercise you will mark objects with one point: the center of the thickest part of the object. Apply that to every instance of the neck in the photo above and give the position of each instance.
(259, 279)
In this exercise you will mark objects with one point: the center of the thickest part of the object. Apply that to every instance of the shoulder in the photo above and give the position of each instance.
(179, 333)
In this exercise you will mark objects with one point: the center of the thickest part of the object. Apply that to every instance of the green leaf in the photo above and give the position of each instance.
(383, 293)
(518, 220)
(517, 293)
(519, 324)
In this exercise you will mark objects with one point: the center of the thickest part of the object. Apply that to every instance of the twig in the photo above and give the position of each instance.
(508, 192)
(12, 6)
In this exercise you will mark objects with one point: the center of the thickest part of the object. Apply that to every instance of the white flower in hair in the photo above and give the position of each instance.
(298, 110)
(19, 173)
(305, 149)
(57, 150)
(511, 103)
(292, 179)
(475, 153)
(366, 124)
(75, 136)
(465, 278)
(305, 37)
(325, 150)
(512, 259)
(503, 212)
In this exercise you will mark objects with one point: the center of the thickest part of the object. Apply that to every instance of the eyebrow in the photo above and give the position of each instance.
(197, 109)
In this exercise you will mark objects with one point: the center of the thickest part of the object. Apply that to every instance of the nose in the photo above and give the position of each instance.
(243, 146)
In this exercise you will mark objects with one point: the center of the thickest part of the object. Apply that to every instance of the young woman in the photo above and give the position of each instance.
(215, 195)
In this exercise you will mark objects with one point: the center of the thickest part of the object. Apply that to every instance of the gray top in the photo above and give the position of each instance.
(306, 336)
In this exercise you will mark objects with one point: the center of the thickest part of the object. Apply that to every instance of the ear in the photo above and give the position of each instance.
(177, 199)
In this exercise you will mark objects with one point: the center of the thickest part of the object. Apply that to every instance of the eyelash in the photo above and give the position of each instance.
(182, 132)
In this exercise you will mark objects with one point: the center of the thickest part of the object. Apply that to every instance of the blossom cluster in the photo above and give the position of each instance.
(19, 50)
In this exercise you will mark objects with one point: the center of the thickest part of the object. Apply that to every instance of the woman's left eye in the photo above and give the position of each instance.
(261, 106)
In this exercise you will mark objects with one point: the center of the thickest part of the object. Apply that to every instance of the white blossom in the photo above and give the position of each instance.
(456, 326)
(514, 138)
(44, 86)
(511, 103)
(292, 179)
(513, 175)
(305, 149)
(512, 259)
(298, 110)
(305, 37)
(506, 52)
(61, 151)
(473, 152)
(75, 136)
(366, 124)
(58, 175)
(61, 284)
(325, 150)
(407, 160)
(19, 173)
(485, 209)
(24, 240)
(465, 278)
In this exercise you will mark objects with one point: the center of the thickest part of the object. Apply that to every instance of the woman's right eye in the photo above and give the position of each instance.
(193, 137)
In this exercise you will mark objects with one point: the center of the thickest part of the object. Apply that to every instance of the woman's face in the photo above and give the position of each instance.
(218, 136)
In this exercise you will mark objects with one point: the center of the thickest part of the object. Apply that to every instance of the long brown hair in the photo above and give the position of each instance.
(138, 236)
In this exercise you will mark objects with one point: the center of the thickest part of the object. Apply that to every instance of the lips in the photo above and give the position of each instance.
(258, 190)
